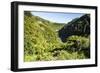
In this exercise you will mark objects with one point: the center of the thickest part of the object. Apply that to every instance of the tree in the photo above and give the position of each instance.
(28, 13)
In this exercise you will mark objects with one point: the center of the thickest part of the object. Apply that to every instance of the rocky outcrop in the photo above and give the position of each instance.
(78, 26)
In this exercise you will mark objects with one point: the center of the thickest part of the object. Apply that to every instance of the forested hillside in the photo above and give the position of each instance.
(78, 26)
(43, 39)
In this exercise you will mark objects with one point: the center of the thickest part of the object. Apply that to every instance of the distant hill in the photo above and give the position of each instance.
(78, 26)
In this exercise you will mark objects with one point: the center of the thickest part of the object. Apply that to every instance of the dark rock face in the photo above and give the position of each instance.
(78, 26)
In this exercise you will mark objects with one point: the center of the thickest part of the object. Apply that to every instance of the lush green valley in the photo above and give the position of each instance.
(43, 40)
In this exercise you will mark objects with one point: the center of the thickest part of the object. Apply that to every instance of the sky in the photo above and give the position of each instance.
(57, 16)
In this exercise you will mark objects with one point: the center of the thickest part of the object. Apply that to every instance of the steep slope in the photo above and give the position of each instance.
(39, 37)
(78, 26)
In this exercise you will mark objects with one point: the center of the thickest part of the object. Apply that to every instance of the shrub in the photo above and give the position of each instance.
(79, 42)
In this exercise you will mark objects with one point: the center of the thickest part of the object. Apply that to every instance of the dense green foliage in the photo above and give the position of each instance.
(41, 41)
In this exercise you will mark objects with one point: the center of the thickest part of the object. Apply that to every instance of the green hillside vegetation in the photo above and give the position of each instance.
(42, 43)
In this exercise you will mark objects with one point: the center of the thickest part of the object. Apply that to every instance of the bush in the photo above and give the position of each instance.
(79, 42)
